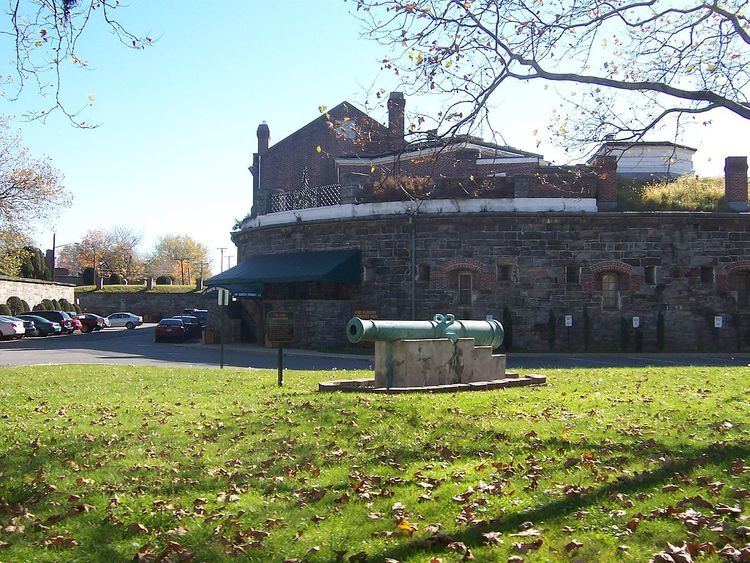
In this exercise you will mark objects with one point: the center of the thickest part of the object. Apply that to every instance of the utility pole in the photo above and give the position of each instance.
(53, 255)
(222, 249)
(229, 261)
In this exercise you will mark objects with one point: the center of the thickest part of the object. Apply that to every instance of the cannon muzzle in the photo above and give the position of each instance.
(484, 333)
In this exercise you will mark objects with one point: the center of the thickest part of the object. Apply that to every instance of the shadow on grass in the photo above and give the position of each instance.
(562, 508)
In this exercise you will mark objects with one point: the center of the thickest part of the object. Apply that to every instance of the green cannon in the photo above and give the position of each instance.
(484, 333)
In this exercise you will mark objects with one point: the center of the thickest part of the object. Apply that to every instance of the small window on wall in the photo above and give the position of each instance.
(707, 274)
(368, 274)
(740, 283)
(423, 272)
(572, 274)
(465, 285)
(649, 275)
(610, 290)
(504, 272)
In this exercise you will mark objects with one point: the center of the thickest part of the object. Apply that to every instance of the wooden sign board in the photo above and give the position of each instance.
(366, 314)
(280, 326)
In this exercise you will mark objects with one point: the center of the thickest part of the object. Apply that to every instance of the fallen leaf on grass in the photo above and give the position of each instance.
(492, 538)
(529, 533)
(59, 541)
(572, 546)
(137, 528)
(522, 547)
(406, 526)
(460, 547)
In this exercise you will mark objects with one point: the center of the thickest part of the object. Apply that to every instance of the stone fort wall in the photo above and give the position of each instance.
(34, 291)
(682, 264)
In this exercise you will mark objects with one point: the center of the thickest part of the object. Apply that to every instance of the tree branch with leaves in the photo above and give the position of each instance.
(640, 64)
(45, 36)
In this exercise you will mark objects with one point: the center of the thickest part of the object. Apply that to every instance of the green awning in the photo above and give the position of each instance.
(340, 266)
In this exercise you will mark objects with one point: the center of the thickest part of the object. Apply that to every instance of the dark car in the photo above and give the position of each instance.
(91, 322)
(192, 325)
(201, 314)
(42, 325)
(170, 329)
(60, 317)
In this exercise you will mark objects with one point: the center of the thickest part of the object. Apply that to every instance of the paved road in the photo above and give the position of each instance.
(137, 347)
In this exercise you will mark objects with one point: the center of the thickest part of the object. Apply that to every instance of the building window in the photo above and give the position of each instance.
(423, 272)
(649, 275)
(465, 284)
(504, 272)
(740, 283)
(707, 274)
(368, 273)
(610, 290)
(572, 274)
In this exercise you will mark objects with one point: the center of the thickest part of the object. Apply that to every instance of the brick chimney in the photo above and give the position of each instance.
(735, 182)
(396, 105)
(605, 167)
(264, 134)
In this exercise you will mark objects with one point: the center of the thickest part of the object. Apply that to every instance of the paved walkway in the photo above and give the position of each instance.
(137, 347)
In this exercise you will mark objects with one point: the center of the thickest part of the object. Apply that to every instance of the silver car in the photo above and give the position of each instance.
(11, 327)
(128, 320)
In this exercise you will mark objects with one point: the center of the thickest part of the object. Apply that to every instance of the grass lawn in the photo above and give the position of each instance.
(686, 193)
(116, 463)
(137, 289)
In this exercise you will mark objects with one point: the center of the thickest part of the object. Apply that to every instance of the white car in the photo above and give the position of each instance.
(128, 320)
(11, 328)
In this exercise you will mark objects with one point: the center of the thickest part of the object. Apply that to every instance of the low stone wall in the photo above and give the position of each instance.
(34, 291)
(151, 306)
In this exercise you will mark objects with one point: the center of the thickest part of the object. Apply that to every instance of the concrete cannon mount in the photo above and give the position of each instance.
(433, 366)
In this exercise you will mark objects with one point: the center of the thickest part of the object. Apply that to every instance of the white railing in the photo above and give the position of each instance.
(306, 198)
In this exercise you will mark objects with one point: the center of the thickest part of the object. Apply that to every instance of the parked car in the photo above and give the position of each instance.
(28, 326)
(43, 326)
(192, 325)
(91, 322)
(128, 320)
(201, 314)
(60, 317)
(11, 327)
(170, 329)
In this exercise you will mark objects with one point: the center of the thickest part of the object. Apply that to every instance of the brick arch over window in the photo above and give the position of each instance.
(482, 277)
(628, 275)
(724, 275)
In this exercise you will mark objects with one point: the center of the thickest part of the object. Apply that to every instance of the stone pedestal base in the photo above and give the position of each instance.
(424, 363)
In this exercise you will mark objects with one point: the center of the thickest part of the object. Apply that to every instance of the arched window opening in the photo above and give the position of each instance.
(610, 290)
(740, 284)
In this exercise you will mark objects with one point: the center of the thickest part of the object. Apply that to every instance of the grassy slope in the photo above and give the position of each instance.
(136, 289)
(220, 457)
(683, 194)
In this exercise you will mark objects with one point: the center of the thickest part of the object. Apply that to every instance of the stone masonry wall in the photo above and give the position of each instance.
(694, 256)
(33, 291)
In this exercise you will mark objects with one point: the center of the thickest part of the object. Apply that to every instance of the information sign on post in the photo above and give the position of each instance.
(718, 321)
(223, 304)
(636, 322)
(280, 331)
(568, 320)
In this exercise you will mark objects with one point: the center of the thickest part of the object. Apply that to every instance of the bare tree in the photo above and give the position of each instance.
(640, 64)
(45, 37)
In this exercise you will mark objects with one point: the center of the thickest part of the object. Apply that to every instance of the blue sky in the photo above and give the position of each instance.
(178, 120)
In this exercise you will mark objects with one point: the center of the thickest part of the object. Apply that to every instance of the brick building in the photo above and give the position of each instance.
(348, 217)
